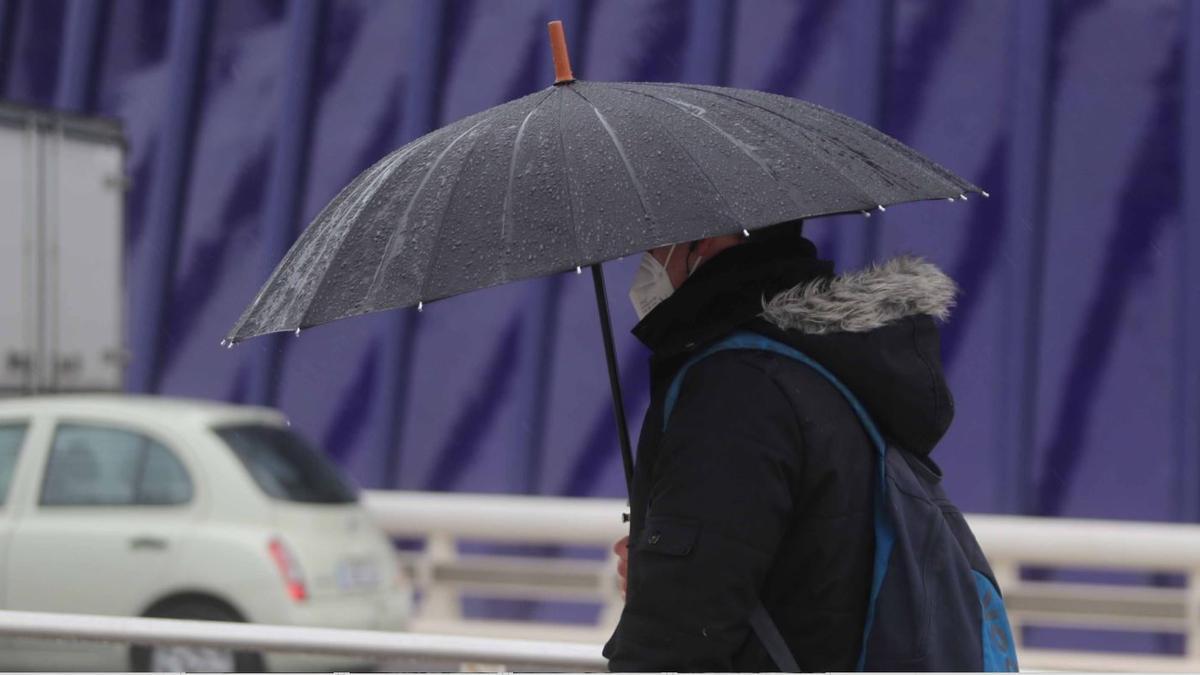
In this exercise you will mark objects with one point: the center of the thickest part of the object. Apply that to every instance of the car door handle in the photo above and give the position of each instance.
(148, 544)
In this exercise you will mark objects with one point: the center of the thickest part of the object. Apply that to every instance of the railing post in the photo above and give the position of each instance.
(1008, 576)
(438, 602)
(1191, 650)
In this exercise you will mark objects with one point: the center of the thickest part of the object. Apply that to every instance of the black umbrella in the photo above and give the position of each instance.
(572, 176)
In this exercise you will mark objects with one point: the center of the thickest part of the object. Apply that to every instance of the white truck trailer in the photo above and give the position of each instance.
(62, 214)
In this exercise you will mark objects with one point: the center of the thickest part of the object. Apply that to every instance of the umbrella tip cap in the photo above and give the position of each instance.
(558, 47)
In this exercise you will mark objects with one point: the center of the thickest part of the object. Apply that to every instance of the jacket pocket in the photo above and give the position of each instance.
(669, 535)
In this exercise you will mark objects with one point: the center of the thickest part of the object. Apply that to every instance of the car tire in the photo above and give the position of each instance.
(162, 658)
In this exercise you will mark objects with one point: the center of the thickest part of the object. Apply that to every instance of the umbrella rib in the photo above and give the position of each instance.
(506, 210)
(637, 184)
(741, 146)
(700, 167)
(907, 154)
(437, 245)
(389, 250)
(566, 165)
(366, 191)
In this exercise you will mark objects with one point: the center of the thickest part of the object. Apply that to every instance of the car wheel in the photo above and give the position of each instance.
(181, 659)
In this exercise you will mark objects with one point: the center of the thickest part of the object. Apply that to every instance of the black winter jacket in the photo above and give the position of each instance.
(761, 485)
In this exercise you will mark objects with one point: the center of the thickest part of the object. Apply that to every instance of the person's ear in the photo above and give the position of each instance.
(705, 247)
(662, 254)
(677, 266)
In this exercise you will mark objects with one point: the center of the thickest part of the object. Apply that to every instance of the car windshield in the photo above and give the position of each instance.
(285, 466)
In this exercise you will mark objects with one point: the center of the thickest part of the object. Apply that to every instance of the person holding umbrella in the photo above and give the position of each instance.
(785, 513)
(757, 491)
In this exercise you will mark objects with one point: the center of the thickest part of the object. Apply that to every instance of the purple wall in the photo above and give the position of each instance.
(505, 390)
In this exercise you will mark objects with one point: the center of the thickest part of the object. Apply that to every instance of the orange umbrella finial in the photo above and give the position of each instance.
(562, 61)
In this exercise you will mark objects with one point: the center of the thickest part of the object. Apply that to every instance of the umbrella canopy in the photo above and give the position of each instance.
(572, 176)
(577, 174)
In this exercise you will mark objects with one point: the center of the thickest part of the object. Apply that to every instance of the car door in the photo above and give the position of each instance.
(112, 506)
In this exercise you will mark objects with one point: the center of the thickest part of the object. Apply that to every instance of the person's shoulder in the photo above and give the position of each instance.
(739, 363)
(735, 392)
(769, 373)
(737, 376)
(749, 362)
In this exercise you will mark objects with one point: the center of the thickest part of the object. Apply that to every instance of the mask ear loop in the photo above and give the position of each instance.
(670, 253)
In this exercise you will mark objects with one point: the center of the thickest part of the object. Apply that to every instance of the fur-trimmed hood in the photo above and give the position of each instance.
(876, 329)
(864, 301)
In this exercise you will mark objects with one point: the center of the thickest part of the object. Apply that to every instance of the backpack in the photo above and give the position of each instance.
(934, 603)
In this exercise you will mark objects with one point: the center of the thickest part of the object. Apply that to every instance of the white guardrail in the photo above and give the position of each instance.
(358, 645)
(445, 575)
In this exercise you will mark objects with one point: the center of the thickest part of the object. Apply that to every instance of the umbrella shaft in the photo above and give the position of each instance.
(614, 380)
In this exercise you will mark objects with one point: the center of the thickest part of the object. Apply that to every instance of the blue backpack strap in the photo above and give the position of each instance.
(884, 532)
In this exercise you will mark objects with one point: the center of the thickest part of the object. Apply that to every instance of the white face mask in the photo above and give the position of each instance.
(651, 284)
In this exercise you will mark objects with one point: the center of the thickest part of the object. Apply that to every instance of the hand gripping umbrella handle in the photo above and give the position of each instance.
(610, 354)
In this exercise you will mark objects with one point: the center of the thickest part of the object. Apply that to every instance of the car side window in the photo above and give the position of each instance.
(12, 436)
(164, 481)
(102, 466)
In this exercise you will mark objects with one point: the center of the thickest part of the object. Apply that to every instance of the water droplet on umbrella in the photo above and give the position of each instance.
(420, 306)
(297, 332)
(881, 208)
(963, 196)
(867, 214)
(984, 193)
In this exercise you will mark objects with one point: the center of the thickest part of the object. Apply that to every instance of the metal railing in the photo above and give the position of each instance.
(446, 573)
(364, 645)
(445, 576)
